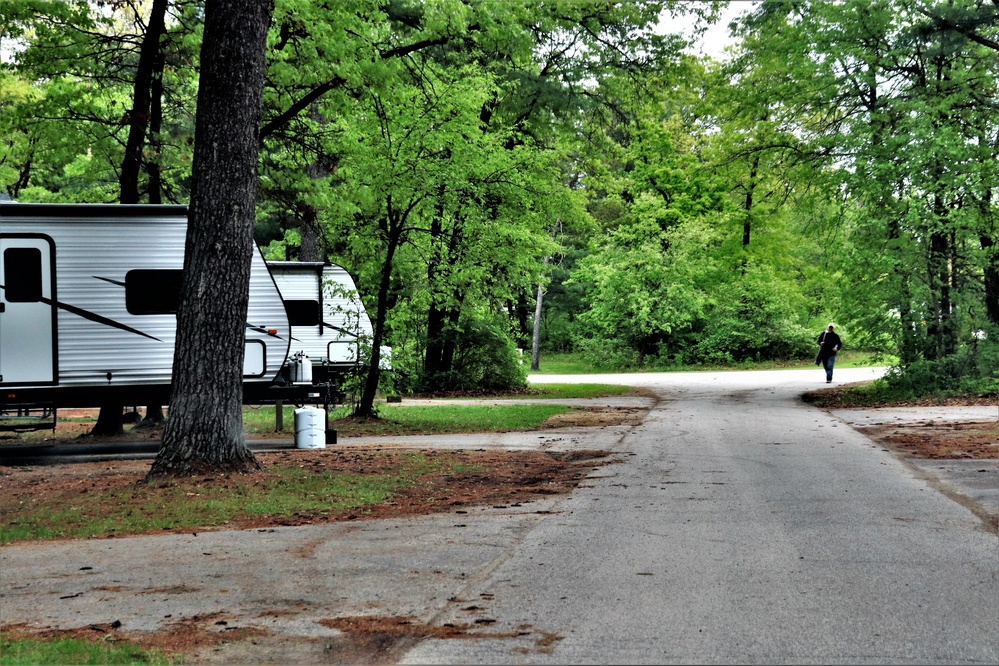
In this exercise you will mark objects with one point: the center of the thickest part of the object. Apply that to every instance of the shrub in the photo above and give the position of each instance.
(974, 369)
(486, 359)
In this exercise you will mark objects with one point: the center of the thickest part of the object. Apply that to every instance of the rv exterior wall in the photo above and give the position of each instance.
(344, 321)
(99, 342)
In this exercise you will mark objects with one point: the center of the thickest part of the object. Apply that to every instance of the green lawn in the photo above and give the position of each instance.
(575, 364)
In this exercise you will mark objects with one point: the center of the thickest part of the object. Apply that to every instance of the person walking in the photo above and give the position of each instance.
(829, 344)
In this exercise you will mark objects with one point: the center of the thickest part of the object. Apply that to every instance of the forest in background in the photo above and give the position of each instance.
(461, 158)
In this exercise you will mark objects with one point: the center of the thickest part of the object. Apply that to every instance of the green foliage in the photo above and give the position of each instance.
(454, 155)
(756, 318)
(643, 285)
(487, 359)
(973, 370)
(904, 102)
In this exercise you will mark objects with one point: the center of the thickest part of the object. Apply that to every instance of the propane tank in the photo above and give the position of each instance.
(305, 369)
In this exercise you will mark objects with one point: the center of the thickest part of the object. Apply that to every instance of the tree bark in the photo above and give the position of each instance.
(109, 422)
(141, 100)
(204, 433)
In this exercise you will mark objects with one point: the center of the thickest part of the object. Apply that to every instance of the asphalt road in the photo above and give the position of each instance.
(744, 527)
(741, 526)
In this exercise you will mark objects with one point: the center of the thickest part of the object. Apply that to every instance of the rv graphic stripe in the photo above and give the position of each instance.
(261, 329)
(340, 330)
(118, 283)
(86, 314)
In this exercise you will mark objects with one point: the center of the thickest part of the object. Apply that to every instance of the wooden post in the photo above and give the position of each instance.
(279, 416)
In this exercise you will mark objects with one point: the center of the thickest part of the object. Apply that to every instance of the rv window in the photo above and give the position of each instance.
(149, 292)
(22, 267)
(302, 313)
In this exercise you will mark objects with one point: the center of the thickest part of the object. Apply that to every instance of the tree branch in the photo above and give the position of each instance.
(951, 25)
(302, 104)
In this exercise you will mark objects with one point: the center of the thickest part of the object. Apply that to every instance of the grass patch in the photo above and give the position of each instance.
(18, 650)
(565, 364)
(280, 492)
(560, 391)
(402, 419)
(448, 419)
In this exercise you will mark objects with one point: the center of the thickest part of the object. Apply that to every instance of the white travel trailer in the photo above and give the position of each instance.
(88, 300)
(328, 322)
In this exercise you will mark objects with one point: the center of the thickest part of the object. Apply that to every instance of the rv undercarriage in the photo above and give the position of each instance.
(36, 409)
(29, 416)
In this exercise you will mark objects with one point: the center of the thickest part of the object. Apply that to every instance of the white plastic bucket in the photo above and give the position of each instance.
(310, 428)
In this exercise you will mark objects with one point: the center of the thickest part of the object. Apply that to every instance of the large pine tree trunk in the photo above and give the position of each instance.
(204, 433)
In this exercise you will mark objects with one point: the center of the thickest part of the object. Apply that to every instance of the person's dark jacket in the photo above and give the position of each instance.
(829, 344)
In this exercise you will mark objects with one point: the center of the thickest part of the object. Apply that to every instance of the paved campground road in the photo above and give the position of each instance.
(745, 527)
(740, 526)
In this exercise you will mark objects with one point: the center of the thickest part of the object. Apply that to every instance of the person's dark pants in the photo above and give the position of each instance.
(828, 364)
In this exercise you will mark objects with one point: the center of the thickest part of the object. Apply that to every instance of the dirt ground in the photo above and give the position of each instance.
(506, 476)
(930, 439)
(506, 479)
(934, 440)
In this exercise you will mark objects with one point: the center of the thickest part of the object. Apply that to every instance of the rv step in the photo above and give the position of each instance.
(23, 417)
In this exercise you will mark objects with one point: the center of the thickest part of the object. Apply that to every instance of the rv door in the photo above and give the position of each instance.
(27, 309)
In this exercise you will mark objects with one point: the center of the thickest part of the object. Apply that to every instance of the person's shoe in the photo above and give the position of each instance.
(828, 381)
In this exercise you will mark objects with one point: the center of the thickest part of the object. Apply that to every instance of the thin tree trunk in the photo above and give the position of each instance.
(154, 413)
(366, 405)
(433, 358)
(991, 278)
(141, 98)
(308, 230)
(536, 336)
(747, 222)
(204, 433)
(450, 347)
(308, 249)
(109, 418)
